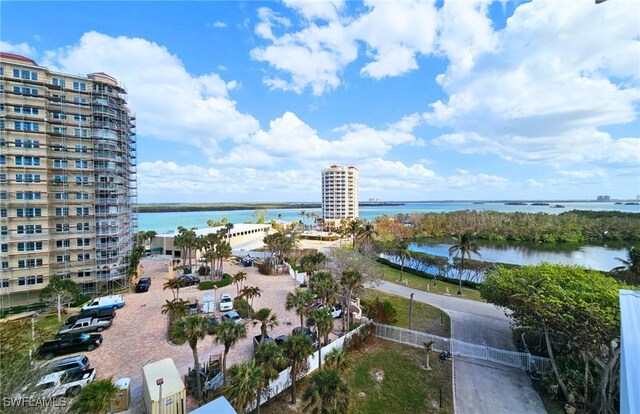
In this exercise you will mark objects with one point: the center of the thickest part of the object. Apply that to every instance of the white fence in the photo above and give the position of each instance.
(283, 381)
(522, 360)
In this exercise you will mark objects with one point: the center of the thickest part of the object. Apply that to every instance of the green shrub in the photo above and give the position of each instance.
(81, 300)
(242, 307)
(381, 311)
(208, 284)
(204, 270)
(173, 338)
(265, 268)
(360, 338)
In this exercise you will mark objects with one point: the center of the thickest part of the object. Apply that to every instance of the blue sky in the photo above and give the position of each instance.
(466, 99)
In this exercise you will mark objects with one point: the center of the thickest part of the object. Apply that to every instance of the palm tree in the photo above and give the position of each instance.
(299, 300)
(192, 329)
(250, 292)
(630, 267)
(464, 246)
(176, 309)
(238, 278)
(337, 359)
(223, 250)
(173, 284)
(269, 356)
(353, 228)
(367, 233)
(245, 381)
(267, 319)
(428, 347)
(95, 398)
(351, 281)
(402, 252)
(326, 393)
(296, 349)
(323, 321)
(228, 333)
(324, 286)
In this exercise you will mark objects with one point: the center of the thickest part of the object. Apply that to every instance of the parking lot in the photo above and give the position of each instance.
(139, 332)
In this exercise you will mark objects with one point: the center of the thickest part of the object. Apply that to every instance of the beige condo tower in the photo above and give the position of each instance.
(67, 180)
(339, 194)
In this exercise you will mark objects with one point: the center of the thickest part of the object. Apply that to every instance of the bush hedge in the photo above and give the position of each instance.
(243, 307)
(425, 275)
(208, 284)
(23, 308)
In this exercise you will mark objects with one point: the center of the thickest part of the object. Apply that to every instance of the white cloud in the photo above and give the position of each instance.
(526, 93)
(218, 25)
(169, 102)
(534, 183)
(23, 48)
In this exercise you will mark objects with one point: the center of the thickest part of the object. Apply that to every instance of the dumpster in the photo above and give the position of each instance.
(162, 386)
(121, 401)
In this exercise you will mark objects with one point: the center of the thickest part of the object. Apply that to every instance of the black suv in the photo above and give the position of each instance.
(68, 345)
(93, 313)
(143, 284)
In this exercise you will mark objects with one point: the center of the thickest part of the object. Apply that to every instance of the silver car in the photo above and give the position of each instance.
(232, 316)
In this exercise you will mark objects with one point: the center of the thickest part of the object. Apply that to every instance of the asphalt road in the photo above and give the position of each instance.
(480, 387)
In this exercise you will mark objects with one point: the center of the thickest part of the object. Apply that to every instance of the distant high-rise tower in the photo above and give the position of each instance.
(339, 193)
(67, 180)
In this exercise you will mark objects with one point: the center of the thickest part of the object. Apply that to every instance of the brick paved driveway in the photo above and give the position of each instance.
(138, 333)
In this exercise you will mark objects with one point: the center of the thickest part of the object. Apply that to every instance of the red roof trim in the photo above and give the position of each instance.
(13, 56)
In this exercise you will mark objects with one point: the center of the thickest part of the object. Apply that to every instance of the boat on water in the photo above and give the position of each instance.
(557, 206)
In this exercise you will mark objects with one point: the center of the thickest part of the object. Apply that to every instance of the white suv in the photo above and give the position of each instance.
(226, 303)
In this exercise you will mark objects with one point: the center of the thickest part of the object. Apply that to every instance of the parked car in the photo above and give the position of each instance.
(232, 316)
(143, 284)
(68, 345)
(70, 365)
(336, 310)
(86, 325)
(92, 313)
(257, 342)
(105, 302)
(226, 303)
(193, 306)
(59, 384)
(188, 280)
(281, 339)
(213, 321)
(308, 333)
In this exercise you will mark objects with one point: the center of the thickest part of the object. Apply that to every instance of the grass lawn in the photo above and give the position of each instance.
(386, 377)
(15, 336)
(426, 318)
(415, 282)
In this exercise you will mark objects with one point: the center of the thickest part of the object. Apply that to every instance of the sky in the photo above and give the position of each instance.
(444, 100)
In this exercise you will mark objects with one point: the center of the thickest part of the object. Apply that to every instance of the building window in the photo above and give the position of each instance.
(82, 226)
(59, 179)
(30, 280)
(84, 274)
(82, 179)
(83, 242)
(79, 86)
(26, 126)
(78, 132)
(28, 195)
(29, 246)
(58, 115)
(27, 110)
(60, 130)
(22, 160)
(82, 164)
(4, 248)
(62, 243)
(4, 230)
(82, 211)
(25, 74)
(3, 212)
(29, 263)
(79, 100)
(81, 148)
(63, 258)
(27, 178)
(62, 211)
(57, 82)
(84, 256)
(26, 143)
(25, 90)
(4, 283)
(62, 228)
(82, 196)
(60, 163)
(29, 229)
(61, 196)
(59, 148)
(29, 212)
(3, 159)
(80, 118)
(3, 195)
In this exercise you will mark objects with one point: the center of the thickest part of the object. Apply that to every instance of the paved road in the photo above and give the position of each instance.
(480, 387)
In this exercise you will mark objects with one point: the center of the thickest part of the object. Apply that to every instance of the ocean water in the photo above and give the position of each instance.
(164, 222)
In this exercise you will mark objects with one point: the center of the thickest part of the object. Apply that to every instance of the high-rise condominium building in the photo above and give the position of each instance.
(67, 180)
(339, 193)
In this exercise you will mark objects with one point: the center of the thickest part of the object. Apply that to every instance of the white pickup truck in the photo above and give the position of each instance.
(63, 384)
